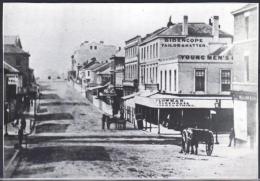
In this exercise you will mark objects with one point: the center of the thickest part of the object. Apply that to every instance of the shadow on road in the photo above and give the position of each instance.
(54, 116)
(50, 96)
(53, 128)
(65, 153)
(31, 171)
(58, 103)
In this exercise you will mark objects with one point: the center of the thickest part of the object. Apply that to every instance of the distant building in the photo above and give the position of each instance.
(131, 77)
(117, 71)
(245, 71)
(89, 50)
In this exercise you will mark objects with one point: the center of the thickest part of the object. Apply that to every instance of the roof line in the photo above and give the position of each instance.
(244, 8)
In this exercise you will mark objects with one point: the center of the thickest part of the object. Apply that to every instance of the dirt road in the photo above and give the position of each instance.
(69, 143)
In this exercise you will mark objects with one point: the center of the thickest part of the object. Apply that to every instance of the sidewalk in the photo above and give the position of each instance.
(11, 155)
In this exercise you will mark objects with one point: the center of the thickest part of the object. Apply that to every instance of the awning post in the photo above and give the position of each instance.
(158, 120)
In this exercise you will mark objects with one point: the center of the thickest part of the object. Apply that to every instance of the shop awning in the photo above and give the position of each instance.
(174, 101)
(10, 68)
(129, 96)
(98, 87)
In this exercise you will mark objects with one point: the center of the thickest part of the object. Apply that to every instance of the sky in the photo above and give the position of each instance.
(51, 32)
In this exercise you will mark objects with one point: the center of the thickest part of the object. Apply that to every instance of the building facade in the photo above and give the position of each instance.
(199, 39)
(131, 77)
(190, 66)
(245, 76)
(118, 71)
(89, 50)
(15, 56)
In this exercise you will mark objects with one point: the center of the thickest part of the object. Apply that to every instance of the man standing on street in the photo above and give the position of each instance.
(21, 130)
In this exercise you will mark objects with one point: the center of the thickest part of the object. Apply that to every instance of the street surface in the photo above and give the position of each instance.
(68, 142)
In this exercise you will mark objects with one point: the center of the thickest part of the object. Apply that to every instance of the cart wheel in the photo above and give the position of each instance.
(210, 144)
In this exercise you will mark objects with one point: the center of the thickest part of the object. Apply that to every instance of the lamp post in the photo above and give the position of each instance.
(217, 106)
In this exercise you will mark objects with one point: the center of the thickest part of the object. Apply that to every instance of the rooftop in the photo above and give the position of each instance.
(12, 40)
(194, 29)
(14, 49)
(244, 8)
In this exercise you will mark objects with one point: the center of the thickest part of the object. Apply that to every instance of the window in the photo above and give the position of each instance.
(246, 58)
(90, 47)
(153, 75)
(156, 50)
(144, 75)
(170, 80)
(150, 51)
(161, 80)
(150, 74)
(88, 73)
(95, 47)
(153, 50)
(144, 52)
(199, 80)
(225, 80)
(165, 80)
(175, 80)
(156, 75)
(247, 26)
(147, 52)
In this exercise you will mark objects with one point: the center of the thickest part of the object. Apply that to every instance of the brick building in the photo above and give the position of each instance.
(245, 74)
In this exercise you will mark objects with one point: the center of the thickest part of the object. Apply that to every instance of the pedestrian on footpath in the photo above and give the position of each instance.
(21, 130)
(232, 137)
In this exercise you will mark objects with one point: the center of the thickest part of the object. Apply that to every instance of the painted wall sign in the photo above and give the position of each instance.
(204, 57)
(183, 42)
(173, 103)
(12, 80)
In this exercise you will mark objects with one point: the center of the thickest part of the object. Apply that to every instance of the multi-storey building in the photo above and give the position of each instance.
(191, 67)
(130, 83)
(117, 71)
(245, 71)
(89, 50)
(15, 56)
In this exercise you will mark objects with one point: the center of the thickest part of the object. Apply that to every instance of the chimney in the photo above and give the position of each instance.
(210, 22)
(215, 28)
(185, 25)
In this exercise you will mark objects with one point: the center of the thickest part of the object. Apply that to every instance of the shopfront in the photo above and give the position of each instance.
(176, 112)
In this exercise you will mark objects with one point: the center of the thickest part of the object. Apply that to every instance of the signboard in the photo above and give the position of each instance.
(204, 57)
(183, 42)
(240, 119)
(12, 80)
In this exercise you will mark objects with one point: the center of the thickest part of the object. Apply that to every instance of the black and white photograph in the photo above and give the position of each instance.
(130, 91)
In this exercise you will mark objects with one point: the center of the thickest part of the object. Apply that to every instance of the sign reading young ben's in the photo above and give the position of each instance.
(204, 57)
(183, 42)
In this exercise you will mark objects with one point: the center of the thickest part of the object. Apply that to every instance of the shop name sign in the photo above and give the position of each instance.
(173, 103)
(13, 80)
(204, 57)
(183, 42)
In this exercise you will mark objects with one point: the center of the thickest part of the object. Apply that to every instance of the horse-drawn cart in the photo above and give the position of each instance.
(192, 137)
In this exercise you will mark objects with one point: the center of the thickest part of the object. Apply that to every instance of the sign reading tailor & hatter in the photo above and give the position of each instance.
(183, 42)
